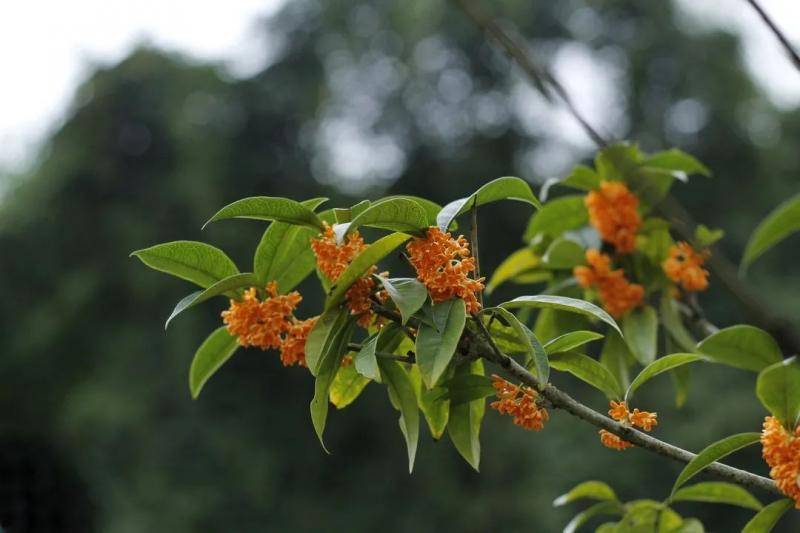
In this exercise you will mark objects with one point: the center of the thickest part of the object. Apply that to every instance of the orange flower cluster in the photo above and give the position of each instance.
(333, 259)
(684, 266)
(519, 402)
(444, 265)
(616, 293)
(619, 412)
(781, 451)
(613, 212)
(269, 323)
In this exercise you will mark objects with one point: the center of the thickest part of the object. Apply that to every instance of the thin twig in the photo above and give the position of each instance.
(790, 51)
(474, 244)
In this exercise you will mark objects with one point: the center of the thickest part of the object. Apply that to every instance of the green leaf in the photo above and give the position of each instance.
(641, 331)
(677, 161)
(663, 364)
(535, 354)
(269, 208)
(435, 408)
(386, 340)
(435, 347)
(284, 254)
(646, 516)
(557, 216)
(672, 322)
(198, 262)
(588, 370)
(212, 354)
(465, 422)
(779, 224)
(361, 264)
(563, 303)
(768, 517)
(583, 178)
(617, 357)
(327, 366)
(564, 253)
(681, 378)
(705, 237)
(395, 214)
(690, 525)
(717, 492)
(570, 341)
(222, 287)
(507, 188)
(598, 509)
(591, 490)
(323, 337)
(408, 294)
(466, 388)
(346, 386)
(746, 347)
(714, 452)
(401, 390)
(519, 262)
(617, 161)
(431, 208)
(778, 388)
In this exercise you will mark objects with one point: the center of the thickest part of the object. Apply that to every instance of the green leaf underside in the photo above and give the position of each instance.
(591, 490)
(535, 354)
(327, 366)
(269, 208)
(395, 214)
(663, 364)
(322, 337)
(587, 370)
(210, 356)
(284, 255)
(404, 398)
(745, 347)
(563, 303)
(570, 341)
(507, 188)
(435, 409)
(435, 348)
(222, 287)
(408, 294)
(386, 340)
(640, 327)
(465, 422)
(714, 452)
(779, 224)
(197, 262)
(346, 386)
(717, 492)
(370, 256)
(768, 517)
(778, 388)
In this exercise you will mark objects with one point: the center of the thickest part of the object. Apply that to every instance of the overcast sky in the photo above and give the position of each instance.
(47, 47)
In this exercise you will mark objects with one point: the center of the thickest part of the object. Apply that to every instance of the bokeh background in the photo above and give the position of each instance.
(349, 100)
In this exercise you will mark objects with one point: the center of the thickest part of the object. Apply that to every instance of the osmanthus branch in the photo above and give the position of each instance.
(757, 311)
(790, 51)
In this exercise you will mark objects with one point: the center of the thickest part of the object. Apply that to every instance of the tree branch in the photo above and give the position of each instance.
(790, 51)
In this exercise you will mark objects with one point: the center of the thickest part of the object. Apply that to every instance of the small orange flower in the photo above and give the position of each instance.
(613, 212)
(609, 440)
(333, 258)
(616, 293)
(619, 412)
(293, 347)
(444, 265)
(520, 402)
(261, 323)
(684, 266)
(781, 451)
(347, 360)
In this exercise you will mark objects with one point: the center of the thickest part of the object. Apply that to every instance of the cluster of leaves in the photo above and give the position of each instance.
(425, 355)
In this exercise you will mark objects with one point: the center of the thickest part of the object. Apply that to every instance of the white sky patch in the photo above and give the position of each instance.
(47, 48)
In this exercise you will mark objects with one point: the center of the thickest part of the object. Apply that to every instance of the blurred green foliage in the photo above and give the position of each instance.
(155, 145)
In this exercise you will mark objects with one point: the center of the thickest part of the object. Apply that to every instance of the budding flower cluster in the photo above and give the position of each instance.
(684, 266)
(613, 211)
(619, 412)
(616, 293)
(520, 402)
(781, 451)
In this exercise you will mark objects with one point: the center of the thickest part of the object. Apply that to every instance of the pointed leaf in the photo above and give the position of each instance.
(778, 388)
(746, 347)
(587, 370)
(640, 327)
(592, 490)
(435, 409)
(269, 208)
(717, 492)
(714, 452)
(563, 303)
(617, 358)
(408, 294)
(768, 517)
(557, 216)
(466, 388)
(404, 398)
(663, 364)
(564, 253)
(671, 319)
(465, 422)
(435, 348)
(198, 262)
(222, 287)
(395, 214)
(519, 262)
(361, 264)
(779, 224)
(535, 354)
(323, 336)
(570, 341)
(677, 161)
(602, 508)
(212, 354)
(507, 188)
(346, 386)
